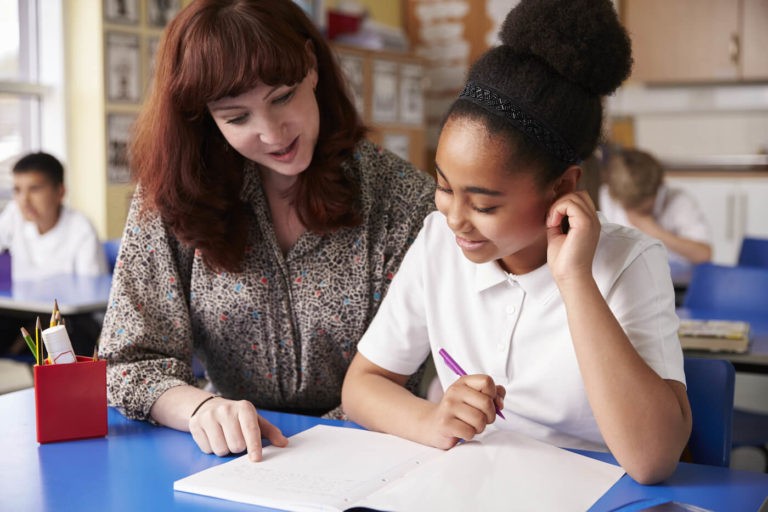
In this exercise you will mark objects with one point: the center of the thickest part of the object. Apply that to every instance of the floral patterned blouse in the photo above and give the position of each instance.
(282, 332)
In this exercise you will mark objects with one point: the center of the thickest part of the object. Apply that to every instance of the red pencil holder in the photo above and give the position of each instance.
(71, 400)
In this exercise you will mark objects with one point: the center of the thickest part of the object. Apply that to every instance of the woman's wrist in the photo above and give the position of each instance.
(206, 400)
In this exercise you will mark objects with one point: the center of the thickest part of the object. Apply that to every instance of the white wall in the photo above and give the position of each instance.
(695, 121)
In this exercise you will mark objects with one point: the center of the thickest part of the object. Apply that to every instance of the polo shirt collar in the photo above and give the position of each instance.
(538, 284)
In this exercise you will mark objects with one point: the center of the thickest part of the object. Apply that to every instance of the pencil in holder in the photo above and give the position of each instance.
(71, 400)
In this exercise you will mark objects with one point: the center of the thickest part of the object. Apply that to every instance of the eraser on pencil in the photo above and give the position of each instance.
(58, 345)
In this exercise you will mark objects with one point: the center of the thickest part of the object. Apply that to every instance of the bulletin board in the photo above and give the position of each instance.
(131, 34)
(388, 90)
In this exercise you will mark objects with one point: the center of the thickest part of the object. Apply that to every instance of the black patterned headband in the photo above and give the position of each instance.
(500, 105)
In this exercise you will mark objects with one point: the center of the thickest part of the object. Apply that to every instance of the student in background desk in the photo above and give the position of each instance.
(264, 233)
(44, 236)
(634, 194)
(564, 323)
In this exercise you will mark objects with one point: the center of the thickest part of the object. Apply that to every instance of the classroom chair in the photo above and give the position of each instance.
(728, 289)
(754, 252)
(750, 430)
(111, 250)
(734, 289)
(710, 386)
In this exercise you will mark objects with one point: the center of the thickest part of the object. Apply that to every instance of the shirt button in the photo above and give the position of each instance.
(511, 310)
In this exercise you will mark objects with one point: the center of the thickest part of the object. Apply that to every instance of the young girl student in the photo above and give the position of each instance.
(565, 325)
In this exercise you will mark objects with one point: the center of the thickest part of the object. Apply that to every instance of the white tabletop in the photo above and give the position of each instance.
(75, 294)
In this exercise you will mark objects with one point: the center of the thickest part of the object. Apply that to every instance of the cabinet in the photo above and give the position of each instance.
(735, 207)
(679, 41)
(388, 91)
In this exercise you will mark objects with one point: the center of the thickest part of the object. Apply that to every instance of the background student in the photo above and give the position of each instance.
(634, 194)
(46, 238)
(264, 233)
(565, 324)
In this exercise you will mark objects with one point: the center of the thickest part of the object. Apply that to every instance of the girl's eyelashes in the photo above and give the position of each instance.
(446, 190)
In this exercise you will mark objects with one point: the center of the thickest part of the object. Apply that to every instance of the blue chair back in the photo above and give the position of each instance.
(754, 252)
(725, 288)
(111, 250)
(710, 391)
(5, 271)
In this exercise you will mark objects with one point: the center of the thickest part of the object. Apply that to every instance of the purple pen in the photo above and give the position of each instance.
(458, 370)
(450, 363)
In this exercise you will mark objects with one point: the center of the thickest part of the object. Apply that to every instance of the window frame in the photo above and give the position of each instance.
(41, 81)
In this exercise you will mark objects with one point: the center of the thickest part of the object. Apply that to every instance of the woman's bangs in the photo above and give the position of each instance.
(222, 66)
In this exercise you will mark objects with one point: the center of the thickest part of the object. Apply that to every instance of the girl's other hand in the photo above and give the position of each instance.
(570, 254)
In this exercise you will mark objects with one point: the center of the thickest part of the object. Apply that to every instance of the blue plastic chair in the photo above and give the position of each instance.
(728, 289)
(111, 250)
(732, 290)
(710, 391)
(754, 252)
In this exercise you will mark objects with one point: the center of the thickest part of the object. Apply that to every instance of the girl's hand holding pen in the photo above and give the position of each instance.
(223, 426)
(467, 406)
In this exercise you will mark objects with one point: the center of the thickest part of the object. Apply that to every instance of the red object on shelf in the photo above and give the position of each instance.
(71, 400)
(342, 23)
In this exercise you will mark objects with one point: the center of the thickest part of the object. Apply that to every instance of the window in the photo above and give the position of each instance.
(31, 76)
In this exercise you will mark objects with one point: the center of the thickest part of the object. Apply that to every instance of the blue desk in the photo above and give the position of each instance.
(75, 294)
(134, 467)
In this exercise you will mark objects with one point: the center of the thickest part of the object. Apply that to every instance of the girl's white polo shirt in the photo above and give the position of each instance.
(514, 328)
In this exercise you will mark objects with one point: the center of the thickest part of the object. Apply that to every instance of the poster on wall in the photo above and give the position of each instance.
(352, 66)
(123, 67)
(160, 12)
(121, 11)
(411, 95)
(384, 108)
(149, 62)
(118, 136)
(399, 144)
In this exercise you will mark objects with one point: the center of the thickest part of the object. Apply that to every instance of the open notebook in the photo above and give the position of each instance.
(335, 468)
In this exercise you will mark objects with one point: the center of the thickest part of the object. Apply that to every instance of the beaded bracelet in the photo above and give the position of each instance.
(201, 404)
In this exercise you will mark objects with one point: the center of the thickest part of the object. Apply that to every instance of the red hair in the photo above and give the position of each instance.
(188, 172)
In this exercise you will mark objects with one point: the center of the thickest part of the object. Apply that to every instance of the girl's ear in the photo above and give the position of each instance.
(568, 181)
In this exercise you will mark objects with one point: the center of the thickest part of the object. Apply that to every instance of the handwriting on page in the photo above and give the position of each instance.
(247, 474)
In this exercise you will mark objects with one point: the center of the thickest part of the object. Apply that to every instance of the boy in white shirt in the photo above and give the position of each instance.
(634, 194)
(45, 238)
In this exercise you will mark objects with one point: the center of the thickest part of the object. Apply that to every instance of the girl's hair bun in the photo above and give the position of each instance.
(581, 39)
